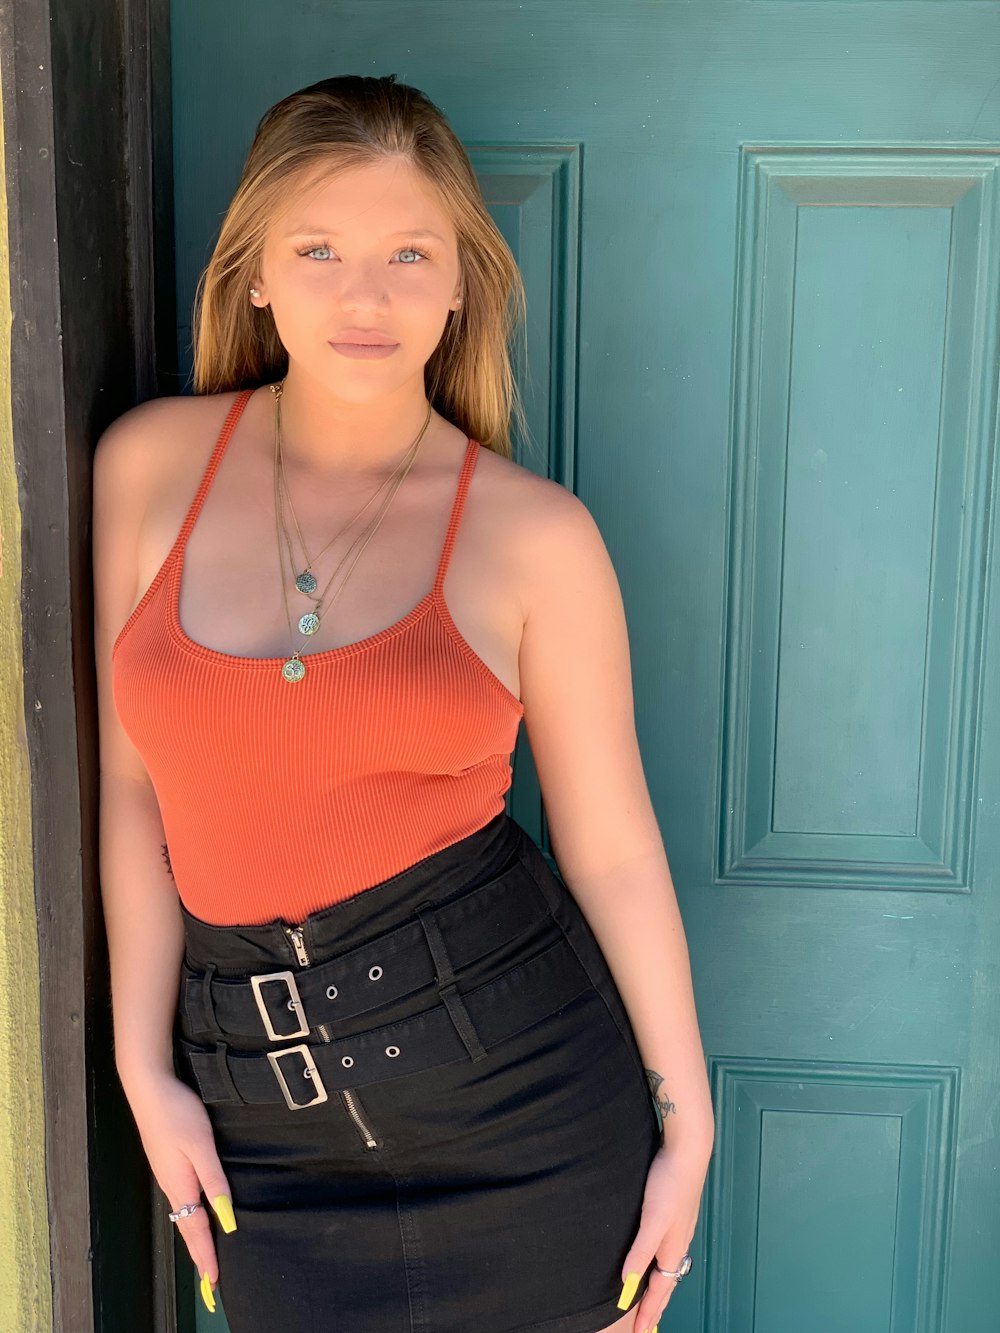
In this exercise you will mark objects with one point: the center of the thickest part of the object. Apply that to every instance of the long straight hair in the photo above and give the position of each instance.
(318, 131)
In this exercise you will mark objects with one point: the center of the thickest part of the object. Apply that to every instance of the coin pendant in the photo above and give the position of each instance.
(305, 582)
(309, 623)
(294, 669)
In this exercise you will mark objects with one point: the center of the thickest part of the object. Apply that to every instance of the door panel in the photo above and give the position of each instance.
(760, 242)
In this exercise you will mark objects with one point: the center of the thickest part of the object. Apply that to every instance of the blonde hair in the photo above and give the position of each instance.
(339, 123)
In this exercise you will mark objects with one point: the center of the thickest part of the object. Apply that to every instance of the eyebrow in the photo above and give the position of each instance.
(304, 230)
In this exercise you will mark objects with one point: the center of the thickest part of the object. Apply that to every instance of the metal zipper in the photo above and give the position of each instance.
(294, 933)
(347, 1095)
(349, 1100)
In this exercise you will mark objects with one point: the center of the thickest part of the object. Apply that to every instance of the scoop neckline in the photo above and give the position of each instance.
(432, 599)
(181, 636)
(169, 576)
(177, 557)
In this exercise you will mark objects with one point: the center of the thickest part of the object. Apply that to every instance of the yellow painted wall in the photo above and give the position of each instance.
(25, 1288)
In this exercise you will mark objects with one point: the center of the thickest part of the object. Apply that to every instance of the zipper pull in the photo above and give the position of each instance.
(294, 933)
(350, 1100)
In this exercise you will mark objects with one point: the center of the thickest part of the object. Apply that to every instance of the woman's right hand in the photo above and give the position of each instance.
(179, 1143)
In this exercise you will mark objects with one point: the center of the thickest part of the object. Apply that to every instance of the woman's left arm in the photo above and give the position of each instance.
(576, 685)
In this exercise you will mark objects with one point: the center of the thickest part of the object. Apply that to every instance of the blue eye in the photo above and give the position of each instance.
(407, 250)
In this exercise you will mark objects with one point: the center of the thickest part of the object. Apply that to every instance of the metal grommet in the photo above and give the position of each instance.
(375, 972)
(392, 1050)
(347, 1061)
(331, 992)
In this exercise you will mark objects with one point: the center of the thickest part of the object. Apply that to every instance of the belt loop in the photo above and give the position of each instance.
(225, 1075)
(447, 987)
(207, 1003)
(196, 999)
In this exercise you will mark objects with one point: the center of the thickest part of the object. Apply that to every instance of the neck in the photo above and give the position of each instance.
(327, 435)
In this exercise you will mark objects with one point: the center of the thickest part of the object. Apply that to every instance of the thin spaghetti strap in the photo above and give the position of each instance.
(170, 570)
(228, 426)
(461, 491)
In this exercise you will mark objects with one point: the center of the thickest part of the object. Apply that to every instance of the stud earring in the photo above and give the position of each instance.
(254, 291)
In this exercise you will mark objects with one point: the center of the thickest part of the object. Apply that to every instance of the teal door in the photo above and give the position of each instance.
(761, 243)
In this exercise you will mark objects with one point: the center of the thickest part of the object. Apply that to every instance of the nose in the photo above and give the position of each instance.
(363, 286)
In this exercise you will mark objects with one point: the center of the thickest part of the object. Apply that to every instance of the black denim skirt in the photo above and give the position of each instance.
(428, 1101)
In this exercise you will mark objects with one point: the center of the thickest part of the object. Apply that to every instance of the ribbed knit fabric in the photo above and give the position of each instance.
(279, 798)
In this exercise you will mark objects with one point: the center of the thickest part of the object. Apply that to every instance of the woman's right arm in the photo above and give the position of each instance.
(140, 900)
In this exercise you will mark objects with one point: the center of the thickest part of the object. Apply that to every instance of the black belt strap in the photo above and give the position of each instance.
(305, 1074)
(388, 968)
(447, 986)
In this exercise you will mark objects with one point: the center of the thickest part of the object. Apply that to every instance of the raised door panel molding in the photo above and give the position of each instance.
(863, 446)
(830, 1190)
(533, 195)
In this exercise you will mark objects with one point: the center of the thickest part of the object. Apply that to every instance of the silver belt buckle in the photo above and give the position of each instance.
(310, 1071)
(296, 1004)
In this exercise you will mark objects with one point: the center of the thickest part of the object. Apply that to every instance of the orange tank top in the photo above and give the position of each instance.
(279, 798)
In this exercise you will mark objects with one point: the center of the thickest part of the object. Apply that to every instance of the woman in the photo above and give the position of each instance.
(408, 1065)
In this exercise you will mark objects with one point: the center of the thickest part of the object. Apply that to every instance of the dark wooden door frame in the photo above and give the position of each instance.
(86, 104)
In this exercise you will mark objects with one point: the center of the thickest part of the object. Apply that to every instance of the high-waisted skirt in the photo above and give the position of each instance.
(428, 1101)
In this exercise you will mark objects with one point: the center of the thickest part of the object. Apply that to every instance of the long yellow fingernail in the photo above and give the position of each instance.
(224, 1208)
(206, 1293)
(628, 1290)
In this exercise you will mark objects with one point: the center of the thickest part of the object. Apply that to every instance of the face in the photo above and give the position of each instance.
(349, 260)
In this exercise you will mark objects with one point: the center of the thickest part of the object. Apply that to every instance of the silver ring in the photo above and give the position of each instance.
(686, 1266)
(185, 1211)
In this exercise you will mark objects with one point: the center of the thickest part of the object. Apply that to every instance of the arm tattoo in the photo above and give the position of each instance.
(662, 1101)
(166, 858)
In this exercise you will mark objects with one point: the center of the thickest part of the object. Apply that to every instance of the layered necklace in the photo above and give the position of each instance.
(294, 668)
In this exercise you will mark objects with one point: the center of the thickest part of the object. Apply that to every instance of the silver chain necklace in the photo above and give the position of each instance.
(293, 668)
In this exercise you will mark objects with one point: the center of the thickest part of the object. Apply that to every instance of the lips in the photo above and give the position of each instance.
(364, 338)
(366, 351)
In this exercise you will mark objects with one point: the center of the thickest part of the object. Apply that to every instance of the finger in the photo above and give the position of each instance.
(654, 1301)
(659, 1290)
(196, 1232)
(196, 1235)
(207, 1294)
(648, 1239)
(216, 1186)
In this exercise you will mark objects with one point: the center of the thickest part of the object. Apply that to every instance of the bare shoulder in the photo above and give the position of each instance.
(549, 530)
(146, 468)
(543, 505)
(158, 442)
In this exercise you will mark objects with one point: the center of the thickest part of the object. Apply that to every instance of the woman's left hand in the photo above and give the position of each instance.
(670, 1208)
